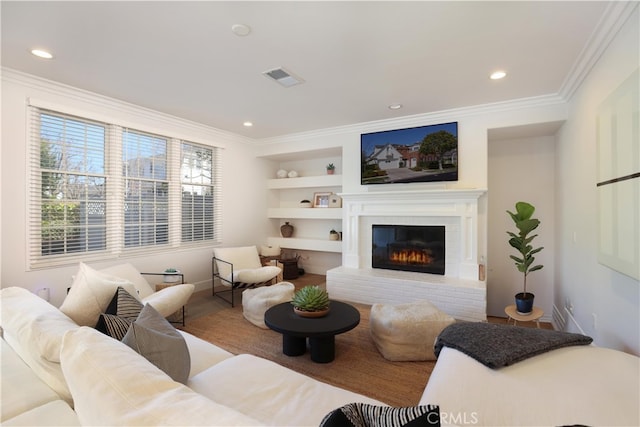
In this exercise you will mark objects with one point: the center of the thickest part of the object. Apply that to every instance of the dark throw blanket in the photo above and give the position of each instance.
(496, 345)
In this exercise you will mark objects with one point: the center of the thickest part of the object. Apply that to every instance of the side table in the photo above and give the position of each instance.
(534, 316)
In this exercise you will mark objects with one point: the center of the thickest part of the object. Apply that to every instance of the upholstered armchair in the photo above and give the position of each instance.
(240, 268)
(166, 301)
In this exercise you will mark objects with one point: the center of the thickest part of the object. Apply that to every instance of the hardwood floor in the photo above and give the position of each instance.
(203, 303)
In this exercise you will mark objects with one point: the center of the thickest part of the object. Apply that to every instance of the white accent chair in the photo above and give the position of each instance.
(166, 301)
(240, 268)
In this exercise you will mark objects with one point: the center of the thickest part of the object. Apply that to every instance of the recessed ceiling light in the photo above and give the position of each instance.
(247, 124)
(41, 53)
(497, 75)
(240, 29)
(395, 106)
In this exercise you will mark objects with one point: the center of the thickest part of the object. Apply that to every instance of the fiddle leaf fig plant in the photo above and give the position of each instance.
(521, 240)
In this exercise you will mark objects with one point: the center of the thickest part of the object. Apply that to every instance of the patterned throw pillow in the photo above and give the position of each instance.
(365, 415)
(152, 336)
(121, 311)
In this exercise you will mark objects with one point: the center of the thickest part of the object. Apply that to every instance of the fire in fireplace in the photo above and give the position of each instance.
(419, 248)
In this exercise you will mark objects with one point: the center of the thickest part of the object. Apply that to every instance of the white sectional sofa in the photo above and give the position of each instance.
(55, 372)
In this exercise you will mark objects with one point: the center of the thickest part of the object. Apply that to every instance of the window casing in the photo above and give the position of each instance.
(99, 190)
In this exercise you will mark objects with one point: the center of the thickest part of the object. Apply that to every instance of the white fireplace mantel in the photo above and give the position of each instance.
(458, 293)
(457, 209)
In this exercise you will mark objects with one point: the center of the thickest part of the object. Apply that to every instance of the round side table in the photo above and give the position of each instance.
(534, 316)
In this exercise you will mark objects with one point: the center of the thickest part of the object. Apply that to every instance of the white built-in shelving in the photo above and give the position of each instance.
(312, 225)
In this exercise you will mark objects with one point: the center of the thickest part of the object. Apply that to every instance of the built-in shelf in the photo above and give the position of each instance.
(305, 182)
(306, 244)
(305, 213)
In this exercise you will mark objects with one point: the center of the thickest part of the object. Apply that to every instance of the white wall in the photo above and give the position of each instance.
(520, 170)
(243, 179)
(591, 288)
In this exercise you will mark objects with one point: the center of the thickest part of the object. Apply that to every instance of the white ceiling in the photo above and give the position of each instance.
(356, 58)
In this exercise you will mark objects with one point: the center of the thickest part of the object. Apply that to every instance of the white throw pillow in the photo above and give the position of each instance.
(128, 272)
(256, 275)
(90, 295)
(113, 385)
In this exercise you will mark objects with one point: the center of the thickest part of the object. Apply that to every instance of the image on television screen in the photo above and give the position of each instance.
(419, 154)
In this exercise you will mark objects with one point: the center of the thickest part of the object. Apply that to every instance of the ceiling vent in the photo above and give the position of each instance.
(283, 77)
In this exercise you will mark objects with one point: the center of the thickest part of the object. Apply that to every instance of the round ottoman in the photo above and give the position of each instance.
(407, 332)
(258, 300)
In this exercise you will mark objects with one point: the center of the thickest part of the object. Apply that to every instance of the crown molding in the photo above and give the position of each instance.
(613, 18)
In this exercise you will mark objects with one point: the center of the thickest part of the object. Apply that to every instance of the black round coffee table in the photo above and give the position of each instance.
(321, 331)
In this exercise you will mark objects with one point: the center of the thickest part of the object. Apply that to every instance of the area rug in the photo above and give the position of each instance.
(358, 365)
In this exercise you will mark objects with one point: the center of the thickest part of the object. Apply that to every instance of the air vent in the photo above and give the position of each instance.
(283, 77)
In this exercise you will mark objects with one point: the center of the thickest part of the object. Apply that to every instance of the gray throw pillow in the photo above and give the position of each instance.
(160, 343)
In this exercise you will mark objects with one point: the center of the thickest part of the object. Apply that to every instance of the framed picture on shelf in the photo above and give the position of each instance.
(321, 200)
(335, 201)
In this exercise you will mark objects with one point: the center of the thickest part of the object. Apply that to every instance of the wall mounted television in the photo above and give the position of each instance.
(418, 154)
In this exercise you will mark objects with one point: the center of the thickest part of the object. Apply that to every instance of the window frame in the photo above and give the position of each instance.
(115, 197)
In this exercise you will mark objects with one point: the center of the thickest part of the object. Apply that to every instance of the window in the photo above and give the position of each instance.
(146, 189)
(100, 190)
(199, 193)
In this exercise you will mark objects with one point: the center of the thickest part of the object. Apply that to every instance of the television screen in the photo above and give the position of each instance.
(419, 154)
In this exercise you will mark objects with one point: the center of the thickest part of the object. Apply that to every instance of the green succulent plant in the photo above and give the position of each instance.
(170, 270)
(311, 298)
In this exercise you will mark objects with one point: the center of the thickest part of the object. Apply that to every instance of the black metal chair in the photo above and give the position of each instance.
(239, 268)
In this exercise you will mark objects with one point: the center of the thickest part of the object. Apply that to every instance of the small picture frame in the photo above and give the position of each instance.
(335, 201)
(321, 200)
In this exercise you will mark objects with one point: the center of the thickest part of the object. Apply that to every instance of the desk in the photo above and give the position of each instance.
(321, 331)
(513, 314)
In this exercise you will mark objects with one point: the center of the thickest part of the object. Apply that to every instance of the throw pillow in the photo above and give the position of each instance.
(159, 342)
(125, 305)
(365, 415)
(112, 325)
(90, 294)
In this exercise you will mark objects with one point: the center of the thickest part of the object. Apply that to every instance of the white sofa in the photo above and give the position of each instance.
(55, 372)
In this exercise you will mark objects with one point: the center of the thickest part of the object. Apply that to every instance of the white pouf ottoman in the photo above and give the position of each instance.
(407, 332)
(258, 300)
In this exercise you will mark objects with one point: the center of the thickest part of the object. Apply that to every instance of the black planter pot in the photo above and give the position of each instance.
(524, 302)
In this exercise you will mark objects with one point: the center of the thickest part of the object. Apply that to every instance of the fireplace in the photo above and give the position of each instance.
(408, 248)
(457, 292)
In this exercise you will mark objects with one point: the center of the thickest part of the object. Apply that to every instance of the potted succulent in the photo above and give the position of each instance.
(311, 301)
(304, 203)
(334, 235)
(331, 168)
(171, 275)
(521, 241)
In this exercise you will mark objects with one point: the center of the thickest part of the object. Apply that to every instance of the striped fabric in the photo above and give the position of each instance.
(123, 309)
(114, 326)
(364, 415)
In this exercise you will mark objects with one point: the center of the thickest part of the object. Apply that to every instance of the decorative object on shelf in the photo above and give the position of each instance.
(331, 168)
(321, 200)
(305, 203)
(171, 275)
(292, 174)
(286, 229)
(334, 235)
(311, 301)
(522, 243)
(335, 201)
(281, 173)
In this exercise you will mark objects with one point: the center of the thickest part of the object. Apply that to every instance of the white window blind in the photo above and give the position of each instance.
(146, 189)
(99, 190)
(199, 176)
(68, 186)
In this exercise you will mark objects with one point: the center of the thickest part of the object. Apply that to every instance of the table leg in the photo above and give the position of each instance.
(323, 349)
(293, 346)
